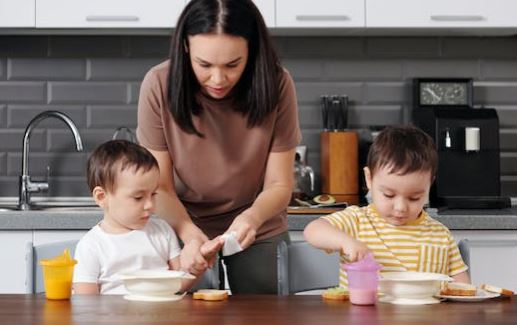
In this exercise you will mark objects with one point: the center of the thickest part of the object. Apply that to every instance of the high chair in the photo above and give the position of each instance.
(34, 273)
(302, 267)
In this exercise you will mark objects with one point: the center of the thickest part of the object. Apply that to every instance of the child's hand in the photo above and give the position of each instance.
(355, 250)
(192, 261)
(210, 248)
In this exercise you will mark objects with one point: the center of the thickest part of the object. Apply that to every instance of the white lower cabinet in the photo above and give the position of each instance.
(493, 254)
(51, 236)
(493, 257)
(12, 255)
(13, 249)
(296, 235)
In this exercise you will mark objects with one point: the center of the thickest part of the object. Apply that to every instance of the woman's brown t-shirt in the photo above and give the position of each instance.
(220, 175)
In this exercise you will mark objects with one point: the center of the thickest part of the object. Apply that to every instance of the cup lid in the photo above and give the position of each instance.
(49, 262)
(366, 264)
(64, 259)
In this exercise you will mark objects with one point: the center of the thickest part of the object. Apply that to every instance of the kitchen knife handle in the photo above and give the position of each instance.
(335, 113)
(324, 112)
(343, 112)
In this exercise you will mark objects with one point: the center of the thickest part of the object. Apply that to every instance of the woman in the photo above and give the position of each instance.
(220, 116)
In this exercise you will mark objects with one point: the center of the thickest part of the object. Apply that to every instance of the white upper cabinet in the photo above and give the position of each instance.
(17, 13)
(108, 13)
(481, 17)
(322, 13)
(267, 9)
(441, 13)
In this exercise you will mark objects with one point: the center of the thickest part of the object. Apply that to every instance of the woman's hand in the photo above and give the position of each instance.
(245, 227)
(191, 259)
(274, 198)
(354, 249)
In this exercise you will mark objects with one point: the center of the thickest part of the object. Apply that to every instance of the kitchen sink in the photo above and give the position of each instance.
(51, 204)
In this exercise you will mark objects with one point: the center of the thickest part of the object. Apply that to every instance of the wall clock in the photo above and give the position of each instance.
(439, 92)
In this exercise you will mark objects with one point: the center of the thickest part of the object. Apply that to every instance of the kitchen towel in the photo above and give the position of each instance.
(231, 245)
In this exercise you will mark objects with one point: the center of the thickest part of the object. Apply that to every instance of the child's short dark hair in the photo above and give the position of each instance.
(113, 157)
(403, 149)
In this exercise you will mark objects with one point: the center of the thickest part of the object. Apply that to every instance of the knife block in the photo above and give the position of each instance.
(340, 165)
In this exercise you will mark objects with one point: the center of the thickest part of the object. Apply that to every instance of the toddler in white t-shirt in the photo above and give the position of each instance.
(123, 178)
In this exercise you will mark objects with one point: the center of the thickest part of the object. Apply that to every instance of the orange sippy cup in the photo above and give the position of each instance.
(57, 275)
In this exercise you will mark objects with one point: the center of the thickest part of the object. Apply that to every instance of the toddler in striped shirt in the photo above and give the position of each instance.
(400, 169)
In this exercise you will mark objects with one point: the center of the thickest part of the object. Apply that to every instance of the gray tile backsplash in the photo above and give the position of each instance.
(96, 81)
(2, 69)
(407, 47)
(13, 92)
(88, 47)
(26, 46)
(46, 69)
(3, 116)
(19, 115)
(85, 92)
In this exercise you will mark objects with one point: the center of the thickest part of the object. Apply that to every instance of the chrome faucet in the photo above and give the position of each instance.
(129, 135)
(26, 185)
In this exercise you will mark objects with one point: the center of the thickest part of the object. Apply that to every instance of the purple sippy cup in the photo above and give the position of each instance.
(363, 279)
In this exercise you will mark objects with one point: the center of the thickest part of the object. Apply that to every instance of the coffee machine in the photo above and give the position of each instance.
(467, 141)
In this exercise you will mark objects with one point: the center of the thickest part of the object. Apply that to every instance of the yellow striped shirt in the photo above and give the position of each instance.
(423, 245)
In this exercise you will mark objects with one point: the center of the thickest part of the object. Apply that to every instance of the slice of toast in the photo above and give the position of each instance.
(494, 289)
(210, 295)
(458, 289)
(336, 293)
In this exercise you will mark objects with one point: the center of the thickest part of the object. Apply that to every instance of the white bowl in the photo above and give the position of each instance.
(411, 285)
(154, 283)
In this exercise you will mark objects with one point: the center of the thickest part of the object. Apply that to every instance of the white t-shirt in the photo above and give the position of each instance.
(102, 256)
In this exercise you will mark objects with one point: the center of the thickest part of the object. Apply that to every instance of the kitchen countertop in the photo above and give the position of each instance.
(496, 219)
(504, 219)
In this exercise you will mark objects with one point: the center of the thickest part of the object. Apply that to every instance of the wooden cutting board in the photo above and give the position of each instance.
(303, 210)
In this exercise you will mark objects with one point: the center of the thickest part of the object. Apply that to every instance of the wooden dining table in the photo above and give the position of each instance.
(248, 310)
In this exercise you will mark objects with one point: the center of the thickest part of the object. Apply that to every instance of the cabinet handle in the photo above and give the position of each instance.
(111, 18)
(322, 17)
(457, 18)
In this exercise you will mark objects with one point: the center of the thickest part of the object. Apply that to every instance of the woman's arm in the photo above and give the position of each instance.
(274, 198)
(170, 208)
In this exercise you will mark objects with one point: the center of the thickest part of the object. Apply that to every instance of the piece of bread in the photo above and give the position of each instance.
(211, 295)
(336, 293)
(494, 289)
(458, 289)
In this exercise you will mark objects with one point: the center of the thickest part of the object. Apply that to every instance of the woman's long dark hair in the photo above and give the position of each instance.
(256, 92)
